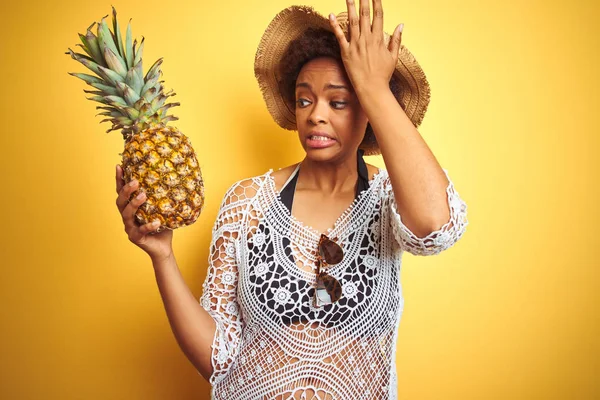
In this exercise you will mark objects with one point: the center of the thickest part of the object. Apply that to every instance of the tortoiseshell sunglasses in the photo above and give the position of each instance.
(328, 289)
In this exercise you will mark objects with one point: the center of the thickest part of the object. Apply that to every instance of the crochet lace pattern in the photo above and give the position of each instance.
(255, 353)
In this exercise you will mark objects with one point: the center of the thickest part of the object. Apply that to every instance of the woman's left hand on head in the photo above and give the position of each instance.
(369, 63)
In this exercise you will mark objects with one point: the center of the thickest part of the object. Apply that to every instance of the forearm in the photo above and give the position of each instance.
(418, 182)
(192, 326)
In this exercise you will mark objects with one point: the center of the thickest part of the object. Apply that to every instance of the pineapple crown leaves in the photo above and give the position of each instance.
(131, 100)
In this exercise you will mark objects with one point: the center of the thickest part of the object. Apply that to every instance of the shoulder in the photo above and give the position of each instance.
(243, 189)
(373, 170)
(281, 176)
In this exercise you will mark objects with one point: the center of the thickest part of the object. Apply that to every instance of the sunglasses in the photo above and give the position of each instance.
(328, 289)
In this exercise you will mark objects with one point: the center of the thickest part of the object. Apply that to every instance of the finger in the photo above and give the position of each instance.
(137, 233)
(131, 209)
(395, 40)
(365, 18)
(353, 21)
(146, 229)
(338, 32)
(377, 18)
(119, 176)
(125, 194)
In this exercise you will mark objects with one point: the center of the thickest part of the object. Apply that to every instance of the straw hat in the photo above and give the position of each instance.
(289, 24)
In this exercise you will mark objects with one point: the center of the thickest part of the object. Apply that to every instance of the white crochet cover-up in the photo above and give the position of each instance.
(270, 343)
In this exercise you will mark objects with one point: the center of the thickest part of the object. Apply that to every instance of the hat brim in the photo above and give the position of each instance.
(291, 23)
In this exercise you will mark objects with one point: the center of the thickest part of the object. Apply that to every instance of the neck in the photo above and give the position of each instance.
(329, 177)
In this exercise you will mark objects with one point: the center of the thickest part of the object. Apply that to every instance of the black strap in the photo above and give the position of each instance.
(287, 193)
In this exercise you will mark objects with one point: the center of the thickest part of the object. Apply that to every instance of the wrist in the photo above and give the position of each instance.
(375, 98)
(372, 88)
(160, 259)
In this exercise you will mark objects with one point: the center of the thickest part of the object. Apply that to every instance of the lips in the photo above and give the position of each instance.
(321, 134)
(320, 143)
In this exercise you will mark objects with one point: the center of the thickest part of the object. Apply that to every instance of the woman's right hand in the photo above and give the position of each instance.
(157, 245)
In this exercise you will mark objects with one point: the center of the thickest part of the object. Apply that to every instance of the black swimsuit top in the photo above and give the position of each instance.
(291, 315)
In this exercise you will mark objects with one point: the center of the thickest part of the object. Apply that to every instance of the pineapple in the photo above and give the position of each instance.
(160, 157)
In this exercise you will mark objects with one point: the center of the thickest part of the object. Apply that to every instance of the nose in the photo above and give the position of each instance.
(318, 113)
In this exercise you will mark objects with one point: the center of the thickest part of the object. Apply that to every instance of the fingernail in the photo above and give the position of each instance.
(331, 16)
(140, 196)
(156, 223)
(401, 27)
(133, 182)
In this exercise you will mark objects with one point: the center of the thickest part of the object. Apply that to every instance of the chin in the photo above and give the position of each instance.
(332, 153)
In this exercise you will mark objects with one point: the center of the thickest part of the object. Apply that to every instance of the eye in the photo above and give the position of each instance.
(338, 104)
(300, 101)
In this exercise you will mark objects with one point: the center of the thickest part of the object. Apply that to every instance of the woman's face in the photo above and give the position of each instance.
(326, 104)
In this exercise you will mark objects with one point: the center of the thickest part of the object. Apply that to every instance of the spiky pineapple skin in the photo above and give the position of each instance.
(162, 159)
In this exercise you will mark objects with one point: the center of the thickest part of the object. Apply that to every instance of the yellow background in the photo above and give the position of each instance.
(510, 312)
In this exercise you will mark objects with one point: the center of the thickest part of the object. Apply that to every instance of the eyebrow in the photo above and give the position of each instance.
(327, 87)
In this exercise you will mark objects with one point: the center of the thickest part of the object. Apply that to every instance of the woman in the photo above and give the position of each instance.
(303, 297)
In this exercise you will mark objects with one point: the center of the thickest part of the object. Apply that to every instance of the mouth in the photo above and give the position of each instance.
(319, 140)
(320, 136)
